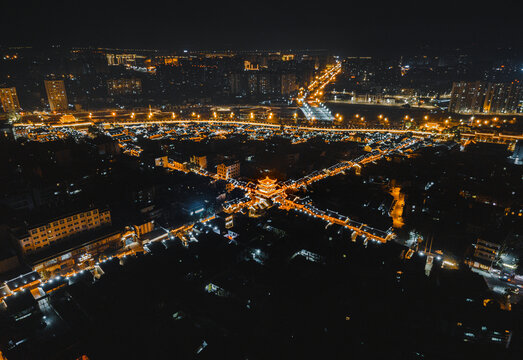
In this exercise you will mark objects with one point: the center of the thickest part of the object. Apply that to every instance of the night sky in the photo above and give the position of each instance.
(351, 27)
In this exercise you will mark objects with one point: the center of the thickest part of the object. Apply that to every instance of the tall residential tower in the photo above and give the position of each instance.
(9, 99)
(56, 95)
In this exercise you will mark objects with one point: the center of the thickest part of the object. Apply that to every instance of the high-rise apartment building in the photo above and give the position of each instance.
(487, 98)
(288, 84)
(264, 83)
(503, 98)
(252, 83)
(256, 83)
(56, 95)
(467, 97)
(235, 83)
(9, 99)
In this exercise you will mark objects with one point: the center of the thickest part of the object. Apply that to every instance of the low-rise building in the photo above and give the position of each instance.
(21, 306)
(200, 161)
(76, 253)
(228, 171)
(168, 163)
(38, 236)
(121, 87)
(485, 253)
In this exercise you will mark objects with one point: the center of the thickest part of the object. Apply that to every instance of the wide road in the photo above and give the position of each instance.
(268, 125)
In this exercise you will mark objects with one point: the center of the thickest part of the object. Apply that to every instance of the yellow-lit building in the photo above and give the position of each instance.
(228, 171)
(67, 119)
(9, 99)
(249, 66)
(144, 227)
(166, 60)
(165, 162)
(200, 161)
(78, 256)
(56, 95)
(40, 237)
(161, 161)
(121, 59)
(117, 87)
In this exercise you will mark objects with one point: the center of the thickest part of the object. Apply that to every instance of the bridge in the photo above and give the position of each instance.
(316, 113)
(309, 99)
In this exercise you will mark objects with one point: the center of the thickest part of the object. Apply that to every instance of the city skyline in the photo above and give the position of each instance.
(356, 27)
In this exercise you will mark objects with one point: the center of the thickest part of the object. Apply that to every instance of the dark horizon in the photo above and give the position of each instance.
(348, 29)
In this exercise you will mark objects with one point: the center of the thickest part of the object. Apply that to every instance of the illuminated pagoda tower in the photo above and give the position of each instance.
(266, 191)
(267, 188)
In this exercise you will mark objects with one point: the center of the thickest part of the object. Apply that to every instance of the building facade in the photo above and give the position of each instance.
(9, 99)
(200, 161)
(288, 84)
(56, 95)
(486, 98)
(39, 237)
(503, 98)
(467, 97)
(121, 59)
(228, 171)
(79, 256)
(168, 163)
(119, 87)
(264, 82)
(485, 253)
